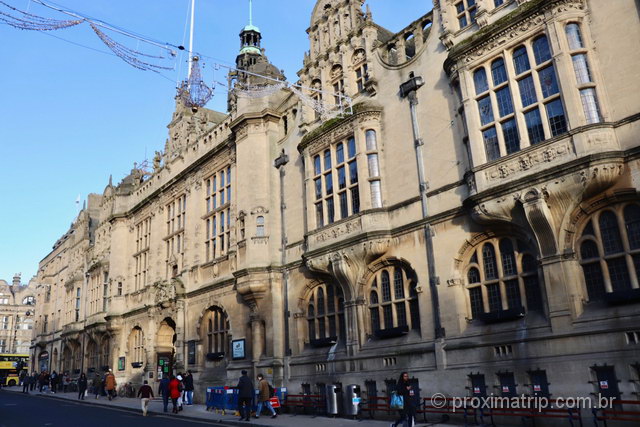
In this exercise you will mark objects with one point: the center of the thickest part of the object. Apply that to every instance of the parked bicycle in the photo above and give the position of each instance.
(127, 390)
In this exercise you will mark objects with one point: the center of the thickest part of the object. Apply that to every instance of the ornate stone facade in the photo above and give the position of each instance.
(302, 239)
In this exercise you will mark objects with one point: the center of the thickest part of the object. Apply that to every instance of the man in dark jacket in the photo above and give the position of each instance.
(163, 390)
(245, 396)
(188, 387)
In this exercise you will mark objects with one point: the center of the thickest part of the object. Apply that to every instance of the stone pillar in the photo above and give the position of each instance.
(351, 320)
(256, 340)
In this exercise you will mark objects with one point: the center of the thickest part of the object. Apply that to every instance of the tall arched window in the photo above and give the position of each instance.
(104, 353)
(609, 249)
(393, 307)
(92, 351)
(136, 346)
(325, 315)
(502, 280)
(217, 331)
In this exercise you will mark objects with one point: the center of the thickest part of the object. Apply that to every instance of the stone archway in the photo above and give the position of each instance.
(165, 347)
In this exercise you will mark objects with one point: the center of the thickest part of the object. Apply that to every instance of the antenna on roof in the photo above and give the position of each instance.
(250, 12)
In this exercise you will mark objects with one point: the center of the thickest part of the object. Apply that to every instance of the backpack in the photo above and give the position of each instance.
(272, 391)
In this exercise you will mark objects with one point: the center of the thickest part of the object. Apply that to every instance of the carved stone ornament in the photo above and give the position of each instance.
(166, 292)
(529, 160)
(349, 265)
(358, 56)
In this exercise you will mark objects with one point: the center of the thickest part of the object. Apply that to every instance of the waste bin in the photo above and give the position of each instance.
(352, 396)
(334, 399)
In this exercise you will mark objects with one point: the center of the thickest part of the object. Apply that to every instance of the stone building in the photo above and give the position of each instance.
(17, 307)
(474, 218)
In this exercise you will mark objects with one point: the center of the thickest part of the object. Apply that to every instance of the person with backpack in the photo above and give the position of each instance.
(163, 390)
(265, 391)
(245, 396)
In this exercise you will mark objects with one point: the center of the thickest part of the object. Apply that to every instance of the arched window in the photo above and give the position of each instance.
(217, 331)
(609, 249)
(498, 72)
(260, 226)
(136, 346)
(502, 280)
(325, 315)
(104, 353)
(394, 306)
(29, 300)
(92, 351)
(480, 81)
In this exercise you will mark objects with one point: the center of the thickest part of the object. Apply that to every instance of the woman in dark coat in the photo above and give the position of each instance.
(82, 386)
(404, 389)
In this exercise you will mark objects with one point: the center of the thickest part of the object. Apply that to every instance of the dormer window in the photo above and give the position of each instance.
(466, 12)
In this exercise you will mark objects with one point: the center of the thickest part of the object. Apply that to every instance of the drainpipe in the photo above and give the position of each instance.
(279, 163)
(409, 90)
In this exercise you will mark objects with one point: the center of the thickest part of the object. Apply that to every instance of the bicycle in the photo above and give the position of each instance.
(127, 390)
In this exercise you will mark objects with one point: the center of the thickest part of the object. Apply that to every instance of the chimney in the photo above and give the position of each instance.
(16, 279)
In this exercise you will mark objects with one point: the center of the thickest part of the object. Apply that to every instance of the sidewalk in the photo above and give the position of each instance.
(200, 413)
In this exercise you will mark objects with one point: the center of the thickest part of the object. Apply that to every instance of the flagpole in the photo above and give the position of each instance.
(193, 10)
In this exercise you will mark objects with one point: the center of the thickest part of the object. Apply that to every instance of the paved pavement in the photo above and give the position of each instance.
(64, 410)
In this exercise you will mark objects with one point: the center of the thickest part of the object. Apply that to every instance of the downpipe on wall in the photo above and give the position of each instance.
(409, 90)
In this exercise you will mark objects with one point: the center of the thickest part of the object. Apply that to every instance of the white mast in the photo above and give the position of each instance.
(250, 12)
(193, 10)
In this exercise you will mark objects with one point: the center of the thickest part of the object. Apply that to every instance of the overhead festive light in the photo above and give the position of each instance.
(193, 92)
(128, 55)
(29, 21)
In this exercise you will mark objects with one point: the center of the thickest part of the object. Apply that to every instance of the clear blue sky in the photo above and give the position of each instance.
(71, 116)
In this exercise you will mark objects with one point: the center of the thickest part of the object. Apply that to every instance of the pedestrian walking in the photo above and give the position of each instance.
(145, 394)
(66, 380)
(408, 393)
(174, 393)
(264, 397)
(33, 381)
(54, 382)
(82, 386)
(163, 390)
(181, 388)
(96, 385)
(110, 384)
(245, 396)
(24, 380)
(188, 388)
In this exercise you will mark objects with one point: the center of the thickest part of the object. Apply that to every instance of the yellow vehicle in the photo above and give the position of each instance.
(10, 367)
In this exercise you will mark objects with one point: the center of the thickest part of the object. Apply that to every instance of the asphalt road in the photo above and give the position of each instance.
(17, 410)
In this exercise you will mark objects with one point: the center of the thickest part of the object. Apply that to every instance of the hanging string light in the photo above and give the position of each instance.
(128, 55)
(28, 21)
(257, 91)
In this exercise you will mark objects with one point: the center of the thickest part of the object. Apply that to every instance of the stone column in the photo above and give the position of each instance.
(256, 340)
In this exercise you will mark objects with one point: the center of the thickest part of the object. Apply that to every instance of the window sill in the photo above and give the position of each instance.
(324, 342)
(391, 332)
(627, 296)
(502, 315)
(215, 356)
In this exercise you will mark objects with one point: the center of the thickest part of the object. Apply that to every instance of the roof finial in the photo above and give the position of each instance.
(250, 12)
